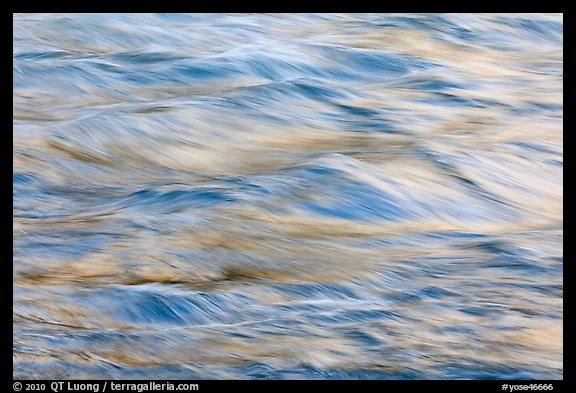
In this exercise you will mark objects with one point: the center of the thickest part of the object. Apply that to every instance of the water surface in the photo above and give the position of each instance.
(288, 196)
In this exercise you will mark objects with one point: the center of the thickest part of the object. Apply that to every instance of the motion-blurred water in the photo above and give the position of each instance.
(288, 196)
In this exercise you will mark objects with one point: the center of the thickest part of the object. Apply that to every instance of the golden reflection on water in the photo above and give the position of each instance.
(288, 196)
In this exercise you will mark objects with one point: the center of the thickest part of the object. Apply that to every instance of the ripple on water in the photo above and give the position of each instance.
(288, 196)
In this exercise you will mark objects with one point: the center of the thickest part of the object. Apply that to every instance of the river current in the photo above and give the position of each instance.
(288, 196)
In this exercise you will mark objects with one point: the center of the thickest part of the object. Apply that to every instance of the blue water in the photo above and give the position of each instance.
(288, 196)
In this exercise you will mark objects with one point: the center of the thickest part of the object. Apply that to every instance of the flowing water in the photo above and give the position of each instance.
(288, 196)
